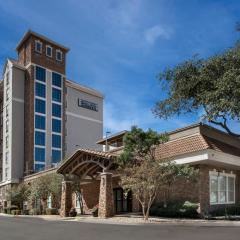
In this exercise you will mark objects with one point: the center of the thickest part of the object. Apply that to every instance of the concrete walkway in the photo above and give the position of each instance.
(131, 220)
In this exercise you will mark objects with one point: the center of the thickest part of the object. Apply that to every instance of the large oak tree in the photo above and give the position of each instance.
(210, 86)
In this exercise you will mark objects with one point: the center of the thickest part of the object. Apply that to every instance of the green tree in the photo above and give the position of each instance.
(142, 172)
(42, 187)
(18, 194)
(209, 85)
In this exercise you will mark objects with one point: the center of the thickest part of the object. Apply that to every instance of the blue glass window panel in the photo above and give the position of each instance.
(40, 90)
(40, 74)
(56, 79)
(39, 138)
(39, 154)
(56, 95)
(40, 122)
(56, 110)
(56, 125)
(40, 106)
(39, 167)
(56, 156)
(56, 141)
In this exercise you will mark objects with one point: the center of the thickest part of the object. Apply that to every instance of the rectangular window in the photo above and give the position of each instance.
(39, 167)
(40, 74)
(49, 51)
(56, 95)
(56, 141)
(222, 188)
(56, 156)
(7, 125)
(7, 94)
(40, 122)
(56, 79)
(39, 138)
(7, 141)
(40, 90)
(40, 106)
(56, 110)
(6, 158)
(59, 55)
(38, 46)
(39, 154)
(56, 125)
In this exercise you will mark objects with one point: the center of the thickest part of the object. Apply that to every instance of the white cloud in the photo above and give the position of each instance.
(156, 32)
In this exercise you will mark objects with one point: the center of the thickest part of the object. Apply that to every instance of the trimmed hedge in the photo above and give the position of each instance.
(34, 211)
(52, 211)
(175, 210)
(225, 211)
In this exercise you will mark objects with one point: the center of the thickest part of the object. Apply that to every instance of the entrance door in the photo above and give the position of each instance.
(122, 203)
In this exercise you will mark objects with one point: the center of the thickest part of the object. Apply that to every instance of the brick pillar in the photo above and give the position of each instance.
(106, 196)
(66, 198)
(204, 197)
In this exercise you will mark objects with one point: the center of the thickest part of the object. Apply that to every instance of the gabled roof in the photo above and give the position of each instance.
(112, 137)
(30, 32)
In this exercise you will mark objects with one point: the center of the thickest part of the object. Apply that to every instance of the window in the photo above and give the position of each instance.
(6, 158)
(56, 125)
(39, 154)
(38, 46)
(49, 51)
(56, 110)
(7, 111)
(59, 55)
(6, 172)
(56, 141)
(56, 95)
(56, 79)
(88, 105)
(40, 122)
(7, 78)
(7, 125)
(39, 138)
(39, 167)
(40, 74)
(7, 94)
(7, 141)
(56, 156)
(222, 188)
(40, 90)
(40, 106)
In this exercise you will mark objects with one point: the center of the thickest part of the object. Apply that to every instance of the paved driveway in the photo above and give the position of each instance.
(18, 228)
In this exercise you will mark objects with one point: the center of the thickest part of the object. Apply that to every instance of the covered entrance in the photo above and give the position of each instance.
(122, 202)
(88, 166)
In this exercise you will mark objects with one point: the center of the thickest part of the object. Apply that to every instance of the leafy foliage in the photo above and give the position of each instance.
(18, 194)
(142, 172)
(211, 85)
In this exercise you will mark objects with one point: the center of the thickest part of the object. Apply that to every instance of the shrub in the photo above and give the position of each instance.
(73, 212)
(52, 211)
(225, 211)
(8, 210)
(34, 211)
(25, 212)
(175, 210)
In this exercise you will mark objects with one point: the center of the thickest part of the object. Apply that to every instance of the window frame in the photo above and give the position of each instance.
(48, 46)
(227, 175)
(61, 53)
(35, 47)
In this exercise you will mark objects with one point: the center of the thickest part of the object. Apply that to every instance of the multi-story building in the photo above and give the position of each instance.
(44, 116)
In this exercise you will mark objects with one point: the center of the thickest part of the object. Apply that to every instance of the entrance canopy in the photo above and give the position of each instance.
(85, 162)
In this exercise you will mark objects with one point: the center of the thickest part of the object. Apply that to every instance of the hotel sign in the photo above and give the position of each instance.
(88, 105)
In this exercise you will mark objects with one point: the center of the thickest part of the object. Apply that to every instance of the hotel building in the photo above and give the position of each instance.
(44, 116)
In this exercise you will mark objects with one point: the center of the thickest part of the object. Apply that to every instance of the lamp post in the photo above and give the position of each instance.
(106, 146)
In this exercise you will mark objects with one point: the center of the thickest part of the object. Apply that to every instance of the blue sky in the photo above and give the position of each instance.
(119, 46)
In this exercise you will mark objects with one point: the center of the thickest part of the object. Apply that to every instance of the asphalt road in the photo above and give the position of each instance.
(12, 228)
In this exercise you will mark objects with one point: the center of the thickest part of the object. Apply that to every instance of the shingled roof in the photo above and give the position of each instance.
(191, 144)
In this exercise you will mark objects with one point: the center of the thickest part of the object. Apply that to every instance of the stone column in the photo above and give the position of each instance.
(105, 209)
(66, 198)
